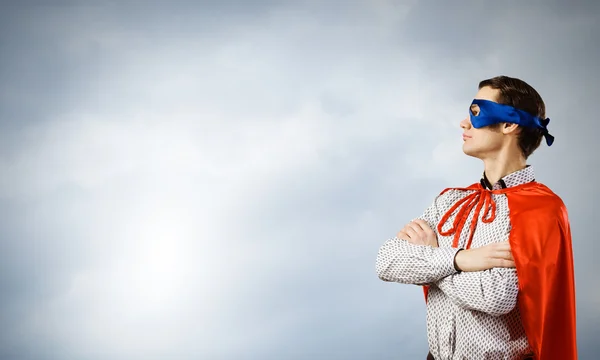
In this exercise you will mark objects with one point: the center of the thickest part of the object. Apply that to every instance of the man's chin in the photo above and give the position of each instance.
(469, 152)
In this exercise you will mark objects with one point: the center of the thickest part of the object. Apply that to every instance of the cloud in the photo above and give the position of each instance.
(181, 184)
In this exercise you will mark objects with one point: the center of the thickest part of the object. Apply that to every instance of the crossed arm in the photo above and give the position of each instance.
(481, 279)
(401, 261)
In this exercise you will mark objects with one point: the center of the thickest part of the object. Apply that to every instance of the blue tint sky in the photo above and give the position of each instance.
(212, 180)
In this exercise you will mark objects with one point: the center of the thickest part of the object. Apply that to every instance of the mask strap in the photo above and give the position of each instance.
(549, 138)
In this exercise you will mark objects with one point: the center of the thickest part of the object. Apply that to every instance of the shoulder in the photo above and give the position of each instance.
(539, 218)
(550, 198)
(539, 199)
(457, 191)
(449, 196)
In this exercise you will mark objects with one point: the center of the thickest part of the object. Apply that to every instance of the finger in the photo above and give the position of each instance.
(414, 238)
(415, 224)
(503, 245)
(507, 263)
(503, 254)
(421, 227)
(423, 224)
(402, 235)
(503, 263)
(499, 246)
(416, 228)
(412, 233)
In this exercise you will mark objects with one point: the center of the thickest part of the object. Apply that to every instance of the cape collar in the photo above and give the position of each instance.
(480, 200)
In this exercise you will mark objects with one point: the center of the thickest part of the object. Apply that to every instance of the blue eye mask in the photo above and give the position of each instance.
(493, 113)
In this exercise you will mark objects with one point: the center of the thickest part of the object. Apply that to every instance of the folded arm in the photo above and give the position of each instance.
(492, 291)
(399, 260)
(406, 263)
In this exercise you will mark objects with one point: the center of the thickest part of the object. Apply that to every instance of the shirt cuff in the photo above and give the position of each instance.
(443, 259)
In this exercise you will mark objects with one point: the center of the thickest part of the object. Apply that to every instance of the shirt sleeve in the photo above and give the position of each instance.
(406, 263)
(400, 261)
(492, 291)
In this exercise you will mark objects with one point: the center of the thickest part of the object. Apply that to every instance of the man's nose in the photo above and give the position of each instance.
(465, 123)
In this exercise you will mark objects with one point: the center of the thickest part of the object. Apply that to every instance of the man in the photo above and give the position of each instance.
(495, 258)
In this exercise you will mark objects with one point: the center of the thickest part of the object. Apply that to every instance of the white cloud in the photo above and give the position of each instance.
(175, 147)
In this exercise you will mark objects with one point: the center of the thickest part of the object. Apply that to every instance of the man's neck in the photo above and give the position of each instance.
(502, 165)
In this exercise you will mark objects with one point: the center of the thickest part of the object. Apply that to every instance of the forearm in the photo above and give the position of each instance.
(403, 262)
(492, 291)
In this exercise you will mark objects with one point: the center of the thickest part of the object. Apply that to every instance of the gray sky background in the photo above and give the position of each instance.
(212, 180)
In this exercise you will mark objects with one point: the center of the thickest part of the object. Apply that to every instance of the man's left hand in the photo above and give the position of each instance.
(418, 232)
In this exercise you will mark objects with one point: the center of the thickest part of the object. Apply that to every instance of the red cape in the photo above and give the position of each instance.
(540, 241)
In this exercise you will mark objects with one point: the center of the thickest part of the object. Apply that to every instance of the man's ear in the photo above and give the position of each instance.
(509, 128)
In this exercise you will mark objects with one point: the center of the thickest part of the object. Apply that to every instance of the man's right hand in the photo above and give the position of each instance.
(486, 257)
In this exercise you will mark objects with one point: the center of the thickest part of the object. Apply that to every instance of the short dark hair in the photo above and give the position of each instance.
(518, 94)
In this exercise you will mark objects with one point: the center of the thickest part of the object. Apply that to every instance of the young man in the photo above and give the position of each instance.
(495, 258)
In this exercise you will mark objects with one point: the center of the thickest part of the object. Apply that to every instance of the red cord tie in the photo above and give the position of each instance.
(479, 198)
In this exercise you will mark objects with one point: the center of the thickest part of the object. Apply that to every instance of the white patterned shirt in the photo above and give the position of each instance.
(470, 315)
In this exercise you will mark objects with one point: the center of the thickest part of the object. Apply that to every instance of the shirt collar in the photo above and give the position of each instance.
(519, 177)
